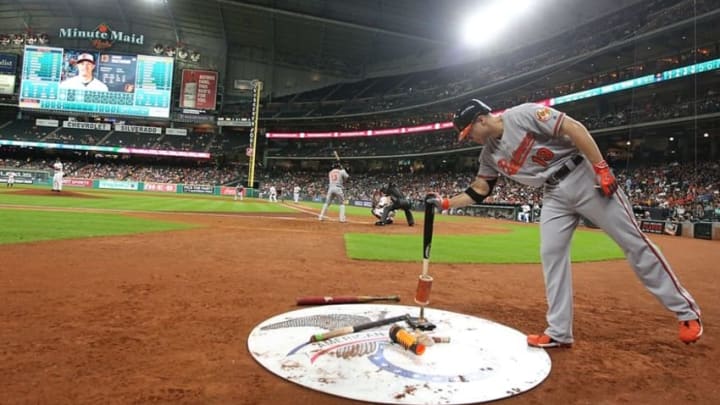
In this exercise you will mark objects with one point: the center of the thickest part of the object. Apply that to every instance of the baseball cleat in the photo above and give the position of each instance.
(544, 341)
(690, 331)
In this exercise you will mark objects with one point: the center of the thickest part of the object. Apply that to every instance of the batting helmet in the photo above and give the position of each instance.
(467, 114)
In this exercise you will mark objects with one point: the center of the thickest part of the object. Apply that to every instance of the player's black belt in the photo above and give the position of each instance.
(566, 168)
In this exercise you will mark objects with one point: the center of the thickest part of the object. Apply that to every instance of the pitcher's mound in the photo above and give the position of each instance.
(46, 193)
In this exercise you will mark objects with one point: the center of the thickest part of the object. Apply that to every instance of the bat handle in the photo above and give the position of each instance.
(318, 337)
(425, 266)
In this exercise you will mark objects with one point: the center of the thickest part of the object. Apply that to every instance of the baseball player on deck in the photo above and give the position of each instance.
(57, 175)
(336, 178)
(539, 146)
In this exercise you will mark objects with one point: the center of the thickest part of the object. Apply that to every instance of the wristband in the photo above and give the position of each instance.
(445, 204)
(600, 166)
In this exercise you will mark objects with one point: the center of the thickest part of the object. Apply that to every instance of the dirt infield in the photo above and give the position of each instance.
(163, 318)
(64, 193)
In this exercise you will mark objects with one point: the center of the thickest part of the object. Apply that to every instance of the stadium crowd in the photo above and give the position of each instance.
(677, 188)
(123, 170)
(645, 111)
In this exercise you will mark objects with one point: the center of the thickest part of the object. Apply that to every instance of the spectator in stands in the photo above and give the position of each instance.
(85, 79)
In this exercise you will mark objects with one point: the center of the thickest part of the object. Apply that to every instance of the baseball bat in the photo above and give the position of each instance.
(337, 157)
(344, 299)
(427, 235)
(422, 296)
(346, 330)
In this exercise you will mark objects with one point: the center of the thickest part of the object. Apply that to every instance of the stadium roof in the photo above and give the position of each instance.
(351, 39)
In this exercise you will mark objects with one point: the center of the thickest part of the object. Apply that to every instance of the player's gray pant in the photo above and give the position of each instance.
(334, 192)
(563, 205)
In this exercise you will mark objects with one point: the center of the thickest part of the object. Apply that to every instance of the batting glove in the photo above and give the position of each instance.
(606, 180)
(442, 204)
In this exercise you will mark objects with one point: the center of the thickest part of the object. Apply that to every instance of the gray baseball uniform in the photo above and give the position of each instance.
(531, 151)
(336, 178)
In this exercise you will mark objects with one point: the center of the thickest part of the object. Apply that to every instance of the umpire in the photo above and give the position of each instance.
(398, 202)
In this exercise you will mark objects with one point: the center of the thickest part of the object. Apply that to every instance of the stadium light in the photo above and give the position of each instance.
(487, 23)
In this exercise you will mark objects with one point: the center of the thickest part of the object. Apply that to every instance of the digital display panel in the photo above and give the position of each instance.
(198, 89)
(95, 82)
(8, 63)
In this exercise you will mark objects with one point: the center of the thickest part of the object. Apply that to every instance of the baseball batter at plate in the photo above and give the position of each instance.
(57, 175)
(336, 178)
(539, 146)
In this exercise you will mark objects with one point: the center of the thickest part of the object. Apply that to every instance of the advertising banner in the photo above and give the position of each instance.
(8, 64)
(161, 187)
(138, 128)
(87, 125)
(7, 84)
(77, 182)
(18, 178)
(47, 123)
(118, 185)
(176, 131)
(198, 188)
(661, 227)
(198, 89)
(227, 190)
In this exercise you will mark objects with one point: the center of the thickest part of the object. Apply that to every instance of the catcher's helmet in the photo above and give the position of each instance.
(467, 114)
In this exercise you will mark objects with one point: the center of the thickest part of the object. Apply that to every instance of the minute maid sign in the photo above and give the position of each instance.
(103, 36)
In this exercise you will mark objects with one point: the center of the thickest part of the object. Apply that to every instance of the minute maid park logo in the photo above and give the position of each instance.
(103, 36)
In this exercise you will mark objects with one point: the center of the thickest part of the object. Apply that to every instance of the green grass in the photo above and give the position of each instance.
(141, 201)
(21, 226)
(520, 245)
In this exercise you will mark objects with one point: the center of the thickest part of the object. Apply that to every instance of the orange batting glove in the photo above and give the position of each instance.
(606, 180)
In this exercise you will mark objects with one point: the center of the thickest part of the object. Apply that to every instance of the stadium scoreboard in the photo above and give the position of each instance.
(137, 85)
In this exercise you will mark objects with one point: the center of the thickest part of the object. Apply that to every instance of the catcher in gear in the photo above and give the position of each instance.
(379, 202)
(399, 201)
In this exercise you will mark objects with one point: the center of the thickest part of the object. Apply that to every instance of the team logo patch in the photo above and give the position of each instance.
(543, 114)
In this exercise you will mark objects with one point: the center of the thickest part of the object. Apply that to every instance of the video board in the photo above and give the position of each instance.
(8, 63)
(93, 82)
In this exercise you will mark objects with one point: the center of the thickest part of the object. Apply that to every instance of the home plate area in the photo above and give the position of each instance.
(466, 359)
